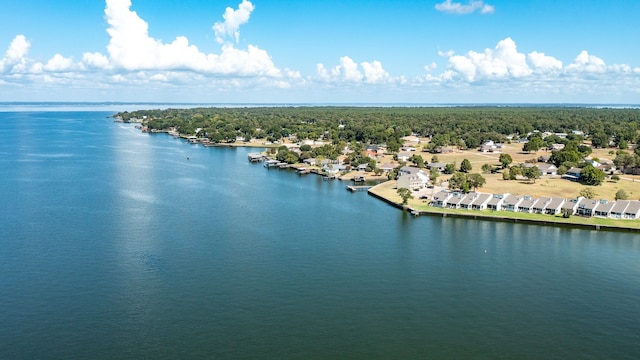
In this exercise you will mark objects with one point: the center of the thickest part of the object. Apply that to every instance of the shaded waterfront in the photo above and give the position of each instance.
(115, 245)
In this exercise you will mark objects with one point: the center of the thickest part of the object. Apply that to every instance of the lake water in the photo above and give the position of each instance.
(119, 244)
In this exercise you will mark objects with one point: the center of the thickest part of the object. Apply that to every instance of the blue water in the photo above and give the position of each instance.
(119, 244)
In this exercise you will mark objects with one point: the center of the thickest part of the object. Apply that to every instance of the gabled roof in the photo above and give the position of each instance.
(496, 199)
(555, 203)
(633, 208)
(441, 195)
(541, 203)
(468, 199)
(620, 206)
(605, 206)
(511, 200)
(482, 199)
(527, 202)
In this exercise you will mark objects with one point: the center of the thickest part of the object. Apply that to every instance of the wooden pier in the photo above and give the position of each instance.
(354, 188)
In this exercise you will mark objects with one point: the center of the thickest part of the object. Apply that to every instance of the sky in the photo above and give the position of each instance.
(329, 51)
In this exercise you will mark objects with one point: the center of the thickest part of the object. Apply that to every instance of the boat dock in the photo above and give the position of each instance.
(255, 157)
(354, 188)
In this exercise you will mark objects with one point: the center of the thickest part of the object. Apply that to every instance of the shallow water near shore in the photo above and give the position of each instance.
(115, 244)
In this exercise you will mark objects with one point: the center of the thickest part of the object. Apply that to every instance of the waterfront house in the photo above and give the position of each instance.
(481, 201)
(511, 202)
(440, 199)
(495, 203)
(540, 205)
(586, 207)
(467, 200)
(363, 167)
(412, 178)
(454, 200)
(310, 161)
(603, 209)
(633, 210)
(617, 211)
(526, 205)
(570, 207)
(554, 206)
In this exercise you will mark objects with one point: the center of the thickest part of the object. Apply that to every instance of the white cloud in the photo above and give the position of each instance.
(457, 8)
(18, 49)
(544, 63)
(96, 60)
(351, 72)
(131, 48)
(15, 56)
(587, 63)
(59, 63)
(502, 62)
(232, 21)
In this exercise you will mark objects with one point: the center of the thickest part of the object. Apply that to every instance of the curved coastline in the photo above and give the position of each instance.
(484, 215)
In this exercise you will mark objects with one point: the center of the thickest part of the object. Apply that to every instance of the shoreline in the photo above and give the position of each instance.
(506, 216)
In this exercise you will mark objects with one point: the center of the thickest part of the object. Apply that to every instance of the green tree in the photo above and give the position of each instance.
(533, 145)
(405, 194)
(450, 168)
(532, 173)
(459, 182)
(588, 193)
(486, 168)
(476, 180)
(417, 160)
(600, 140)
(435, 159)
(621, 195)
(465, 166)
(434, 173)
(591, 176)
(514, 171)
(505, 160)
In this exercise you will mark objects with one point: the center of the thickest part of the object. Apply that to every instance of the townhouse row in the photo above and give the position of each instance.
(620, 209)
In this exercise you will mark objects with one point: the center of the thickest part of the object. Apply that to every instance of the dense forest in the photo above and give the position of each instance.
(467, 127)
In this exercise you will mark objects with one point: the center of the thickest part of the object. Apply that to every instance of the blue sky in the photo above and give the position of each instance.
(330, 51)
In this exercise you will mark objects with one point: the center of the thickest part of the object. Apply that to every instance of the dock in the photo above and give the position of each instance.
(356, 188)
(255, 157)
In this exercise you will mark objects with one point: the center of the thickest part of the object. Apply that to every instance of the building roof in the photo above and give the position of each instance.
(482, 198)
(511, 200)
(527, 202)
(496, 198)
(556, 203)
(633, 208)
(541, 203)
(604, 206)
(620, 206)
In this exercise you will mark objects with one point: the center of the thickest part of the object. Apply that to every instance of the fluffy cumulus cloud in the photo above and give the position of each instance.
(133, 59)
(450, 7)
(131, 47)
(353, 73)
(502, 62)
(504, 67)
(232, 21)
(132, 55)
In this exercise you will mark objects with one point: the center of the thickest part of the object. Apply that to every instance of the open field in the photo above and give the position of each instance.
(544, 186)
